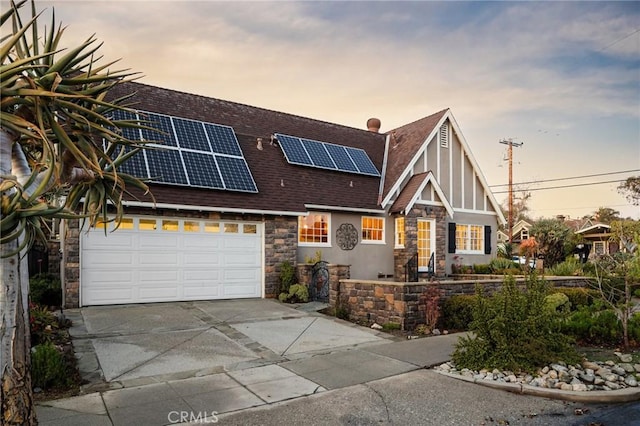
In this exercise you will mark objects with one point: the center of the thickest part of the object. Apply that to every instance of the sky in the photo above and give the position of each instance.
(562, 78)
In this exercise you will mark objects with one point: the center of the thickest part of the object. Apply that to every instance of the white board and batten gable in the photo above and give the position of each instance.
(454, 179)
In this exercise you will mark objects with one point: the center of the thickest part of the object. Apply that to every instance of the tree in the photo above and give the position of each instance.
(56, 138)
(605, 215)
(630, 188)
(617, 273)
(554, 240)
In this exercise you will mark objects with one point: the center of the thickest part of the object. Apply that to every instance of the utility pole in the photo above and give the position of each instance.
(510, 143)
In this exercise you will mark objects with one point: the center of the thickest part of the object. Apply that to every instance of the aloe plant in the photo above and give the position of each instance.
(60, 156)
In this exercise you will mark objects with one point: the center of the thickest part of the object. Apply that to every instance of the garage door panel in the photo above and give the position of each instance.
(107, 258)
(119, 240)
(158, 240)
(158, 258)
(241, 259)
(202, 259)
(143, 266)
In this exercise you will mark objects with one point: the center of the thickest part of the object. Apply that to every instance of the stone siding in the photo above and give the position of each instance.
(402, 255)
(405, 303)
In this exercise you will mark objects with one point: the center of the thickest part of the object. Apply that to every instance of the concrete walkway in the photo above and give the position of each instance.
(143, 363)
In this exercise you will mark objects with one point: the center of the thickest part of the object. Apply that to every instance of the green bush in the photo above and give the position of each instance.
(457, 312)
(388, 326)
(594, 326)
(298, 293)
(568, 268)
(513, 331)
(557, 303)
(578, 296)
(43, 324)
(484, 269)
(48, 368)
(500, 265)
(45, 289)
(287, 276)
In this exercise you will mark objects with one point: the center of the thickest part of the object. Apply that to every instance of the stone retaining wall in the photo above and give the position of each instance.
(405, 303)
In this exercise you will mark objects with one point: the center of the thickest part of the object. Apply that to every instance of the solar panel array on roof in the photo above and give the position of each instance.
(187, 152)
(307, 152)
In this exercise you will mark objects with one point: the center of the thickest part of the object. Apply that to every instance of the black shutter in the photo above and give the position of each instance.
(452, 237)
(487, 240)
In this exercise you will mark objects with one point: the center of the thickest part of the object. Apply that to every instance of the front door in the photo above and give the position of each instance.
(426, 244)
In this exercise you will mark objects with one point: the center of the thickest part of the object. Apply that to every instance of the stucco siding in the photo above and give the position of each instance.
(366, 260)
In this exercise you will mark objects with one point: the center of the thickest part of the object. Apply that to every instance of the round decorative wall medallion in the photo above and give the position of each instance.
(347, 236)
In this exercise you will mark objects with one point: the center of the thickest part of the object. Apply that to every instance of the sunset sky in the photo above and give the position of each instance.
(561, 77)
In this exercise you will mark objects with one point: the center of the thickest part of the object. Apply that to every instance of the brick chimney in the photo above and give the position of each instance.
(373, 125)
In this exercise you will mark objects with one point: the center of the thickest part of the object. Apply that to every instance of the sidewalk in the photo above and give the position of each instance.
(204, 399)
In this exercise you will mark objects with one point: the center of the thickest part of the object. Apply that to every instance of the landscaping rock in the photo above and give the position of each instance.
(590, 376)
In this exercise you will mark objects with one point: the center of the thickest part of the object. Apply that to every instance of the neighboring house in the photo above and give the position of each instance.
(597, 239)
(238, 190)
(519, 234)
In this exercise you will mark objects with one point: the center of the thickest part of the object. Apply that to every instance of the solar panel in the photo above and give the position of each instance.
(341, 158)
(294, 150)
(135, 165)
(159, 122)
(318, 154)
(165, 166)
(187, 152)
(235, 174)
(191, 134)
(223, 139)
(203, 170)
(362, 161)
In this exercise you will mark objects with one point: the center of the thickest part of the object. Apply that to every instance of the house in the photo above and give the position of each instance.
(237, 190)
(596, 239)
(519, 233)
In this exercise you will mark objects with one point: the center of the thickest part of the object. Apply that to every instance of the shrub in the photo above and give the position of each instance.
(43, 324)
(568, 268)
(513, 331)
(287, 276)
(457, 312)
(48, 368)
(298, 293)
(578, 296)
(500, 265)
(45, 289)
(557, 302)
(594, 326)
(484, 269)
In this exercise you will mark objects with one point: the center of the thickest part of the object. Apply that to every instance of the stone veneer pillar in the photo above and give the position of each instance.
(402, 255)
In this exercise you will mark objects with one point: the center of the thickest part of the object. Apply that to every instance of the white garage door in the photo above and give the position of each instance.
(151, 259)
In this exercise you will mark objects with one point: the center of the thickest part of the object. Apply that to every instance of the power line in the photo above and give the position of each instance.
(568, 178)
(619, 40)
(565, 186)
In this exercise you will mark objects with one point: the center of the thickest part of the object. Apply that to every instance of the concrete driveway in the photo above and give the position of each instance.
(133, 345)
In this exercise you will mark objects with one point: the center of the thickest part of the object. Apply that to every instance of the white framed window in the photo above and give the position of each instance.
(400, 234)
(599, 248)
(470, 239)
(372, 229)
(313, 229)
(524, 234)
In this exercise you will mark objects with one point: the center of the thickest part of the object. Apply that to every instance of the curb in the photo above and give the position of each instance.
(612, 396)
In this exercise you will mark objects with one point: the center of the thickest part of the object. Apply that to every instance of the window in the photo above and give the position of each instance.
(169, 225)
(314, 229)
(524, 234)
(249, 229)
(598, 248)
(191, 226)
(230, 228)
(400, 232)
(469, 238)
(213, 227)
(372, 229)
(147, 224)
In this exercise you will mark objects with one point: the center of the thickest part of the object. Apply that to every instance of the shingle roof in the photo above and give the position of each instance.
(408, 192)
(281, 186)
(405, 142)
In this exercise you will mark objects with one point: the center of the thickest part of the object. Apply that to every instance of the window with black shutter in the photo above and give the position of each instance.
(487, 240)
(452, 238)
